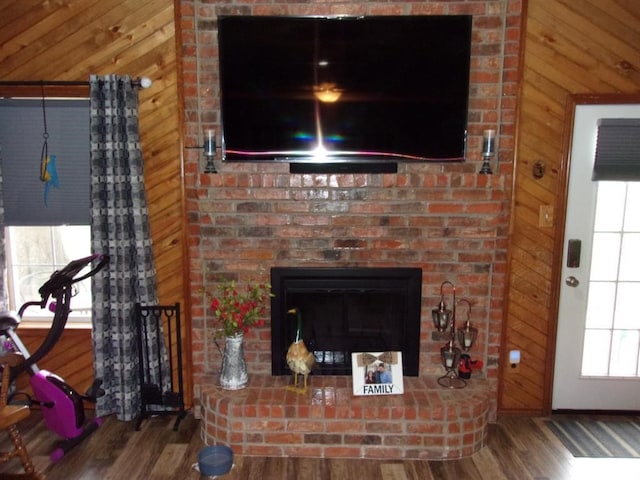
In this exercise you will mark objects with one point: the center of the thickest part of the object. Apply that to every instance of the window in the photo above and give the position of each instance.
(33, 254)
(43, 233)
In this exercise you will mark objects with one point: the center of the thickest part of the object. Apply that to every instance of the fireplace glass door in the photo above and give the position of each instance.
(345, 311)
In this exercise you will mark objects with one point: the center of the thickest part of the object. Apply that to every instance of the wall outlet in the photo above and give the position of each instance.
(514, 360)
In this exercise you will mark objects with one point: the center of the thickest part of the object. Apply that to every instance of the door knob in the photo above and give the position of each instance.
(572, 281)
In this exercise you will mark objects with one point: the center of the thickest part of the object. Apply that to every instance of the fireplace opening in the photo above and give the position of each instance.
(346, 310)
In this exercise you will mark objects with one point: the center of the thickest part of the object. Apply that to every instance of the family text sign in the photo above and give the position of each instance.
(377, 373)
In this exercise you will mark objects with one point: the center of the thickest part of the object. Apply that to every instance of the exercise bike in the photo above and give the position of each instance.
(62, 407)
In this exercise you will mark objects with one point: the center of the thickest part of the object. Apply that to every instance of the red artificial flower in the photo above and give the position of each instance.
(237, 311)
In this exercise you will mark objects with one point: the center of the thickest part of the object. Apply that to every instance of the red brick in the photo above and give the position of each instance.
(305, 426)
(342, 452)
(284, 438)
(383, 452)
(346, 426)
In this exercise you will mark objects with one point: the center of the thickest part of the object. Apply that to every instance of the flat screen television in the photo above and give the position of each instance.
(344, 93)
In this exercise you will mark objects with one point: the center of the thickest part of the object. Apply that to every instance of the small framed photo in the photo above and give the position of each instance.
(377, 373)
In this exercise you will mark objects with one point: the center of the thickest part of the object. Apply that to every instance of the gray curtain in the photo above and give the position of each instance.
(119, 228)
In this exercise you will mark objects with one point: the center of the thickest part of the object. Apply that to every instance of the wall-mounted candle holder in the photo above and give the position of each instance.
(488, 151)
(209, 149)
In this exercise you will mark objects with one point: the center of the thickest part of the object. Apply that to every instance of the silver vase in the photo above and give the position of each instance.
(233, 375)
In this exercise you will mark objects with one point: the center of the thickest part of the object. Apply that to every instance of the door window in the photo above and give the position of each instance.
(612, 334)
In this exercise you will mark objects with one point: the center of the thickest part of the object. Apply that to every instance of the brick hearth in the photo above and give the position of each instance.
(426, 422)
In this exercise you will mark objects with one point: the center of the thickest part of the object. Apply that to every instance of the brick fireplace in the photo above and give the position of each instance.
(446, 220)
(346, 310)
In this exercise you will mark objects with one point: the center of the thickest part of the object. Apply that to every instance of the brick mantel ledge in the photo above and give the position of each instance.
(426, 422)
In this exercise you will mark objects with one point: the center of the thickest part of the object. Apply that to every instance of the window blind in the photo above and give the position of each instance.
(617, 150)
(21, 144)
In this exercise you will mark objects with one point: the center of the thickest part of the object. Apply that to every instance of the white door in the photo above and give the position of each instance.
(597, 365)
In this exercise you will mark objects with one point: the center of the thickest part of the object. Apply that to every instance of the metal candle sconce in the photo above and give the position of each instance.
(209, 148)
(442, 317)
(210, 151)
(488, 150)
(445, 320)
(467, 335)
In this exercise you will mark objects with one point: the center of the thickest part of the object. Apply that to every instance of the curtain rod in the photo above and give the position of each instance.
(143, 82)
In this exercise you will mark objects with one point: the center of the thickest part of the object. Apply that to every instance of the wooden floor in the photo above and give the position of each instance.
(519, 448)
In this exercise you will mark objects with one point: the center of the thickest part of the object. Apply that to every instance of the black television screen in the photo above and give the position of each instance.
(344, 89)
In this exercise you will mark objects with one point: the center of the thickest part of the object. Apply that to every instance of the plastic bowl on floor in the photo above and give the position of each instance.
(215, 460)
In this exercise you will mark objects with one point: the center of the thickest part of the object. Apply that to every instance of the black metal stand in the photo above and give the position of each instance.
(158, 330)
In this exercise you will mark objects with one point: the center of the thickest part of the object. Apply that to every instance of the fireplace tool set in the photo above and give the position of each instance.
(444, 320)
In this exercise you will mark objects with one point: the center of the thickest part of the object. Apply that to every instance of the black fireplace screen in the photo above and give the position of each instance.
(346, 310)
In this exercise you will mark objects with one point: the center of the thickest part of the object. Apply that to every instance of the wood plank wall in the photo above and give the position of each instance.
(71, 358)
(571, 46)
(68, 40)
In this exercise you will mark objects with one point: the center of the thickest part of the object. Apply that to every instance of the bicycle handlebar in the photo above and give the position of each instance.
(59, 287)
(66, 276)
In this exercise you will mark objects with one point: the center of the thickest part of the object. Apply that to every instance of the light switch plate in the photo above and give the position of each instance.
(545, 216)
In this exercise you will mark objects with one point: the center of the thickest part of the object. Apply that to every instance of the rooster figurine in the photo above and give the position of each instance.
(300, 360)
